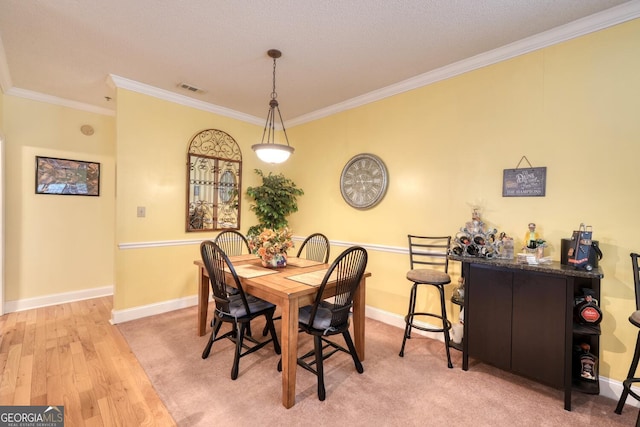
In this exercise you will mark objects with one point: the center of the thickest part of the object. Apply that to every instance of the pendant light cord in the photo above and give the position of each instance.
(274, 95)
(274, 104)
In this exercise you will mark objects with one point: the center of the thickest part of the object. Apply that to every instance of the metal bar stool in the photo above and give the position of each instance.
(635, 321)
(432, 251)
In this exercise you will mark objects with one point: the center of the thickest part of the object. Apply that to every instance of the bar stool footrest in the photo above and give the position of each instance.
(424, 328)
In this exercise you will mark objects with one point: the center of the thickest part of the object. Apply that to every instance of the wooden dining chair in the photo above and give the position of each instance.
(232, 242)
(238, 310)
(315, 247)
(328, 317)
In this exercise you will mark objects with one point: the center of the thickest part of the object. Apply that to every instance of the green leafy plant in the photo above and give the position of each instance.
(273, 201)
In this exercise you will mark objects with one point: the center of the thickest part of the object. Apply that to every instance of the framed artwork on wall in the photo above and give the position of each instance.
(67, 177)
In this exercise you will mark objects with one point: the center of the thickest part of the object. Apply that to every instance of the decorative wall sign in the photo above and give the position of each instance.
(524, 182)
(67, 177)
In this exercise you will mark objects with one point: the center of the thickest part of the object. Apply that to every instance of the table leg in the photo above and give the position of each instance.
(203, 300)
(289, 336)
(359, 302)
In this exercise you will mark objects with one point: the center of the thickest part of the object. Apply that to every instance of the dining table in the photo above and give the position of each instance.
(289, 288)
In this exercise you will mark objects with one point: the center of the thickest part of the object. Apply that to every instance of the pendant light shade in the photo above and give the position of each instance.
(268, 151)
(272, 153)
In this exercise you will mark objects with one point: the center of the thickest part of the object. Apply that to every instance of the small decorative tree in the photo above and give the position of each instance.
(274, 200)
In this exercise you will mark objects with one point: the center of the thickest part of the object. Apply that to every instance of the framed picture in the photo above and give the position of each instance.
(67, 177)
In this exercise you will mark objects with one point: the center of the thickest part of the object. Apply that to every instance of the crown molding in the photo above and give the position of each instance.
(37, 96)
(132, 85)
(608, 18)
(5, 75)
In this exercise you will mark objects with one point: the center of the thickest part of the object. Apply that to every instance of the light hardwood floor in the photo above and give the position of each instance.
(70, 355)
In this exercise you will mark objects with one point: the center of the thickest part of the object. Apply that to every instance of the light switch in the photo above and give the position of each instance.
(141, 212)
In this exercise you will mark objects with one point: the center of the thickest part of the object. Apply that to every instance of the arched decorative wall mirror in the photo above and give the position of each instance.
(214, 177)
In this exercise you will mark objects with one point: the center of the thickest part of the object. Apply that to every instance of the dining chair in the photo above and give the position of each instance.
(328, 317)
(232, 242)
(433, 252)
(315, 247)
(238, 310)
(634, 319)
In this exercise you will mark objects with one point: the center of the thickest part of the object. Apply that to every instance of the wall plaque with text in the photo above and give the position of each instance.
(524, 182)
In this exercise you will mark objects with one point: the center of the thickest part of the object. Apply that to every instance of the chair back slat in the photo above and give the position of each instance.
(347, 270)
(636, 277)
(232, 243)
(217, 264)
(428, 250)
(315, 247)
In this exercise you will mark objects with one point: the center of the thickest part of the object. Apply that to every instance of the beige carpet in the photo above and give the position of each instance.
(415, 390)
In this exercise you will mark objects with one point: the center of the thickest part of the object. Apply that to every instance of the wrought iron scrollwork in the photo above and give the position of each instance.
(215, 143)
(213, 182)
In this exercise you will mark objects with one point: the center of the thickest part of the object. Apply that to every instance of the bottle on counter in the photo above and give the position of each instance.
(507, 246)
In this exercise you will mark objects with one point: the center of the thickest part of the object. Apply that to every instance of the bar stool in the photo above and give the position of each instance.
(635, 321)
(432, 251)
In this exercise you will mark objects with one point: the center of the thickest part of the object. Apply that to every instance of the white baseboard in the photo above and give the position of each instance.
(613, 389)
(120, 316)
(62, 298)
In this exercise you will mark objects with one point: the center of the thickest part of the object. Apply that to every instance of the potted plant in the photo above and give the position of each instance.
(273, 201)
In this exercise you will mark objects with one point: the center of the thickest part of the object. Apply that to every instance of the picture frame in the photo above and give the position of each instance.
(67, 177)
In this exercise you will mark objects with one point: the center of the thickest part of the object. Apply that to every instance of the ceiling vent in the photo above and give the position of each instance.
(190, 88)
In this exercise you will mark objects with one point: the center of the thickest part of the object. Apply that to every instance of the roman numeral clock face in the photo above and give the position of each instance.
(364, 181)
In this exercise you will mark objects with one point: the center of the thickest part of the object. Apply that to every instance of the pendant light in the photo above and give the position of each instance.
(268, 151)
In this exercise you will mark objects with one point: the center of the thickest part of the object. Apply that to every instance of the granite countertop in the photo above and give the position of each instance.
(553, 268)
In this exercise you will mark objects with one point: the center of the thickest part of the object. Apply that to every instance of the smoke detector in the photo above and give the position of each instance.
(86, 130)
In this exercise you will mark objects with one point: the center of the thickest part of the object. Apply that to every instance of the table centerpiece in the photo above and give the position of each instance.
(271, 246)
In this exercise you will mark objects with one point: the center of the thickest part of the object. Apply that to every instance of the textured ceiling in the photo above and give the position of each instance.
(333, 50)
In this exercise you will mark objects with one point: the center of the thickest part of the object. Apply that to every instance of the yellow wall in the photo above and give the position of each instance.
(153, 138)
(572, 107)
(56, 244)
(1, 113)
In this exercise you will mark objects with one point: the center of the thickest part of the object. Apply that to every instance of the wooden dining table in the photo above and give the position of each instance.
(291, 287)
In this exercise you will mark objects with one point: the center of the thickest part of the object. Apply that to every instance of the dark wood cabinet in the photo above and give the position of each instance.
(519, 318)
(488, 321)
(538, 333)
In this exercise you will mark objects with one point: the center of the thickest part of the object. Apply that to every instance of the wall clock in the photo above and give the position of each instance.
(364, 181)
